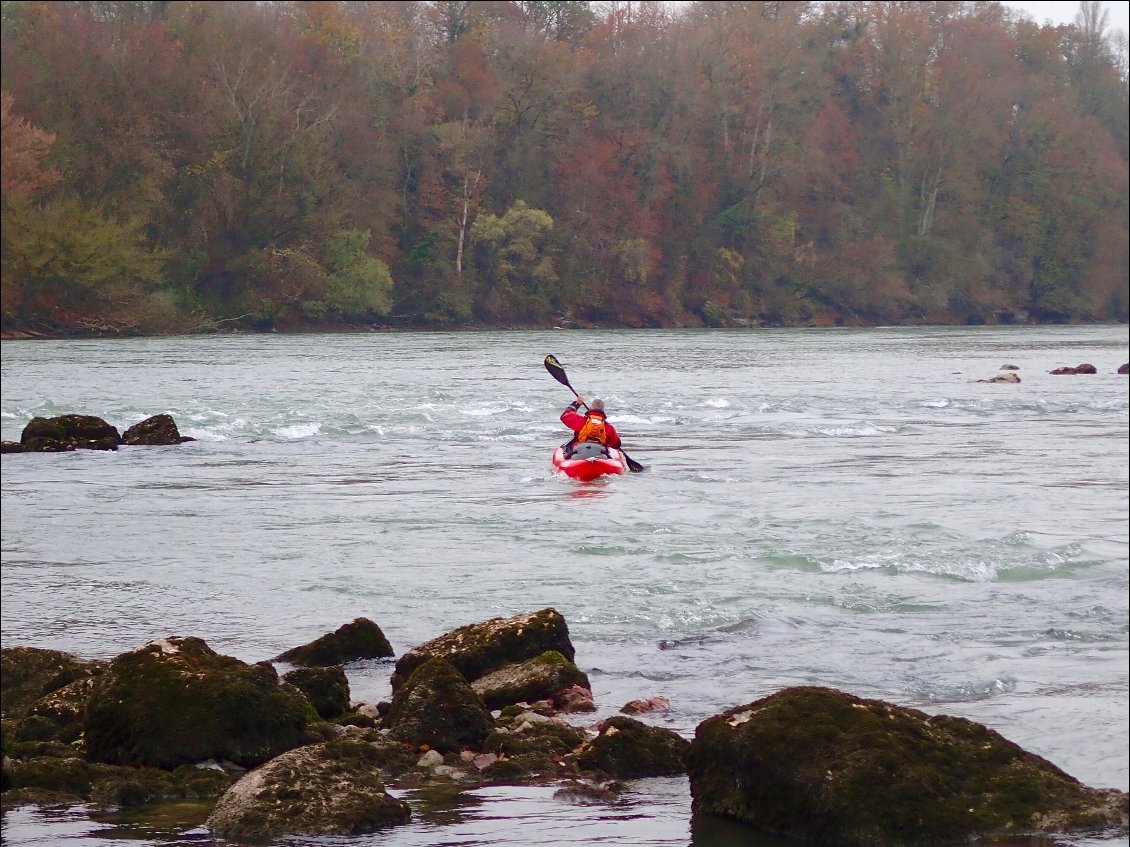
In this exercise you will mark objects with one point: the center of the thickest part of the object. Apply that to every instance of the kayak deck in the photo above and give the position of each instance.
(586, 468)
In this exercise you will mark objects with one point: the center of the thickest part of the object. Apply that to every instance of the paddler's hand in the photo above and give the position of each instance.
(580, 401)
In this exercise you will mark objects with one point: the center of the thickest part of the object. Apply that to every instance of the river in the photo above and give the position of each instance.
(840, 507)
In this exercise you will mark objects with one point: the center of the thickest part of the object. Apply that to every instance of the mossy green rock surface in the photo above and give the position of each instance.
(539, 678)
(176, 701)
(437, 708)
(825, 767)
(29, 673)
(69, 432)
(156, 431)
(630, 749)
(317, 790)
(478, 648)
(327, 689)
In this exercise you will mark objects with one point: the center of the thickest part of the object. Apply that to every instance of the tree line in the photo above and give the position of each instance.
(195, 166)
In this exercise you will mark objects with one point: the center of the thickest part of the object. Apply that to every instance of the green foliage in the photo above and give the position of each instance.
(66, 257)
(358, 286)
(516, 260)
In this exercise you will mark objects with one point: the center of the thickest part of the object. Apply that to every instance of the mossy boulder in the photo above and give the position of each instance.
(327, 689)
(59, 715)
(52, 773)
(318, 790)
(534, 744)
(361, 639)
(29, 673)
(176, 701)
(539, 678)
(437, 708)
(69, 432)
(822, 766)
(629, 749)
(158, 430)
(478, 648)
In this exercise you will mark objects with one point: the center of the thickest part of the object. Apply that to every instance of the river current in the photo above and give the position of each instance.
(847, 508)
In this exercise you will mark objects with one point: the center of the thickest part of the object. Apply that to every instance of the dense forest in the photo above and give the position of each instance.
(193, 166)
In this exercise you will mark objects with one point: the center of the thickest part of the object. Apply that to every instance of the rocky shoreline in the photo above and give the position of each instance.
(501, 701)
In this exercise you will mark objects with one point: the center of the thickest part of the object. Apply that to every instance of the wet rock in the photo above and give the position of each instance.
(11, 447)
(69, 432)
(327, 689)
(155, 431)
(317, 790)
(1003, 377)
(176, 701)
(533, 744)
(1124, 369)
(1062, 371)
(575, 698)
(437, 708)
(650, 704)
(540, 678)
(361, 639)
(629, 749)
(59, 715)
(1010, 367)
(822, 767)
(50, 773)
(29, 673)
(585, 793)
(478, 648)
(1084, 368)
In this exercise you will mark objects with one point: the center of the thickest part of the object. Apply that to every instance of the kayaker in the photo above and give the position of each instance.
(591, 427)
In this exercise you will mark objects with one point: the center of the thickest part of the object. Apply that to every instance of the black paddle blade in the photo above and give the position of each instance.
(557, 372)
(633, 465)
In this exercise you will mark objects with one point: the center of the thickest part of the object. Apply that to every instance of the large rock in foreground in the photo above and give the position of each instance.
(324, 789)
(478, 648)
(176, 701)
(825, 767)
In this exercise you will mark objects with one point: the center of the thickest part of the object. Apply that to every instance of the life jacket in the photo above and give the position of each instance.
(594, 429)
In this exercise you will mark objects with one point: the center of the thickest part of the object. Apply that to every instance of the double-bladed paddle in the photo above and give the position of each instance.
(558, 373)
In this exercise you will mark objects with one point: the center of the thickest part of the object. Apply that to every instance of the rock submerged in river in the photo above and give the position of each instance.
(159, 430)
(322, 789)
(822, 766)
(1084, 368)
(360, 639)
(69, 432)
(65, 433)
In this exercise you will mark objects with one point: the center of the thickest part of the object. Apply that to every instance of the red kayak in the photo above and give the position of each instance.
(589, 462)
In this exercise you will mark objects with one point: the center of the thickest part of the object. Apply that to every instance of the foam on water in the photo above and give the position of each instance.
(837, 508)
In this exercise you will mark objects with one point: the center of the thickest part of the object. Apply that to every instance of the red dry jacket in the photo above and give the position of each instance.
(576, 421)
